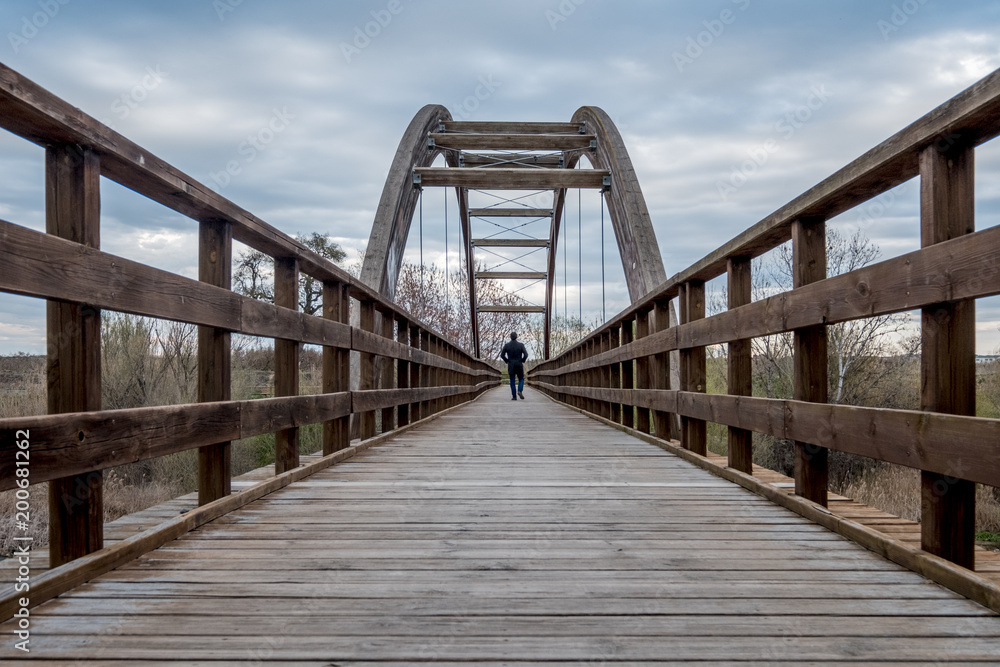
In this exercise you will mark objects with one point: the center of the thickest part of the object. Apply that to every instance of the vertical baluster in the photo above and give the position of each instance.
(642, 370)
(215, 260)
(615, 373)
(336, 366)
(403, 371)
(809, 266)
(388, 372)
(366, 379)
(693, 370)
(662, 420)
(286, 362)
(73, 366)
(947, 362)
(740, 381)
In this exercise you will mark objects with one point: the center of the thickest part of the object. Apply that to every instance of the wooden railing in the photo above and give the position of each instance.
(628, 381)
(420, 372)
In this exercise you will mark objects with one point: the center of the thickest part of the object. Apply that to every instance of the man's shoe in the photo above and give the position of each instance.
(520, 395)
(513, 398)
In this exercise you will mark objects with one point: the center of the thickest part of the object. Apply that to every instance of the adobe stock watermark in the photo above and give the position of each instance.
(562, 13)
(364, 34)
(899, 17)
(254, 144)
(785, 128)
(33, 24)
(483, 91)
(223, 7)
(714, 29)
(123, 105)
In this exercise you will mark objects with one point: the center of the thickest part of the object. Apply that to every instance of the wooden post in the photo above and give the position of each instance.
(661, 370)
(215, 261)
(642, 379)
(388, 372)
(615, 373)
(366, 379)
(605, 380)
(416, 375)
(947, 361)
(693, 369)
(628, 372)
(286, 362)
(740, 368)
(336, 367)
(426, 407)
(73, 212)
(403, 372)
(590, 376)
(810, 350)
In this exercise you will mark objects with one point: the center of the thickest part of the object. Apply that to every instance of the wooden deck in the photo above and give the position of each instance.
(514, 533)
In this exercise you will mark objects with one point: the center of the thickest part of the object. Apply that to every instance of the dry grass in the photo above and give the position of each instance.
(120, 499)
(896, 490)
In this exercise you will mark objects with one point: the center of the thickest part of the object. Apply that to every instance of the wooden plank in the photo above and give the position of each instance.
(514, 178)
(512, 127)
(740, 364)
(286, 362)
(648, 567)
(810, 356)
(73, 364)
(693, 368)
(948, 353)
(511, 142)
(61, 579)
(215, 260)
(501, 212)
(510, 309)
(510, 275)
(336, 367)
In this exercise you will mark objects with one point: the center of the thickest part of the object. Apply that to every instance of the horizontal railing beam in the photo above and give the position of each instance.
(513, 142)
(510, 309)
(511, 179)
(510, 213)
(510, 275)
(905, 437)
(513, 127)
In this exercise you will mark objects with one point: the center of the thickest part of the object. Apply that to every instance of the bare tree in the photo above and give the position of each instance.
(253, 273)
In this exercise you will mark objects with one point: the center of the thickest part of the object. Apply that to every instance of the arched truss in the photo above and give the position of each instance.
(548, 154)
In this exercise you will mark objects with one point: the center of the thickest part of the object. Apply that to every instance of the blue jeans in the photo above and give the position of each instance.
(516, 380)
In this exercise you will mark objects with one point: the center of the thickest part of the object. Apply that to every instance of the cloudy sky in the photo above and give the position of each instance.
(697, 89)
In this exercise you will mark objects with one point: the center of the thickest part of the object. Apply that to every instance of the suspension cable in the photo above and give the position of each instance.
(422, 297)
(447, 299)
(579, 242)
(604, 301)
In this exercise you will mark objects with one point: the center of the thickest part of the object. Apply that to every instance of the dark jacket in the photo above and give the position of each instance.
(514, 354)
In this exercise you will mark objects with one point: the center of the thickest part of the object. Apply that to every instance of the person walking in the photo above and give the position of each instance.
(514, 354)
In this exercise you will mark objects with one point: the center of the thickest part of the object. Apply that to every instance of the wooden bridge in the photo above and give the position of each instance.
(587, 523)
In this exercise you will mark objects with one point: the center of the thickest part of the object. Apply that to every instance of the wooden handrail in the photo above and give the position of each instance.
(954, 266)
(67, 267)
